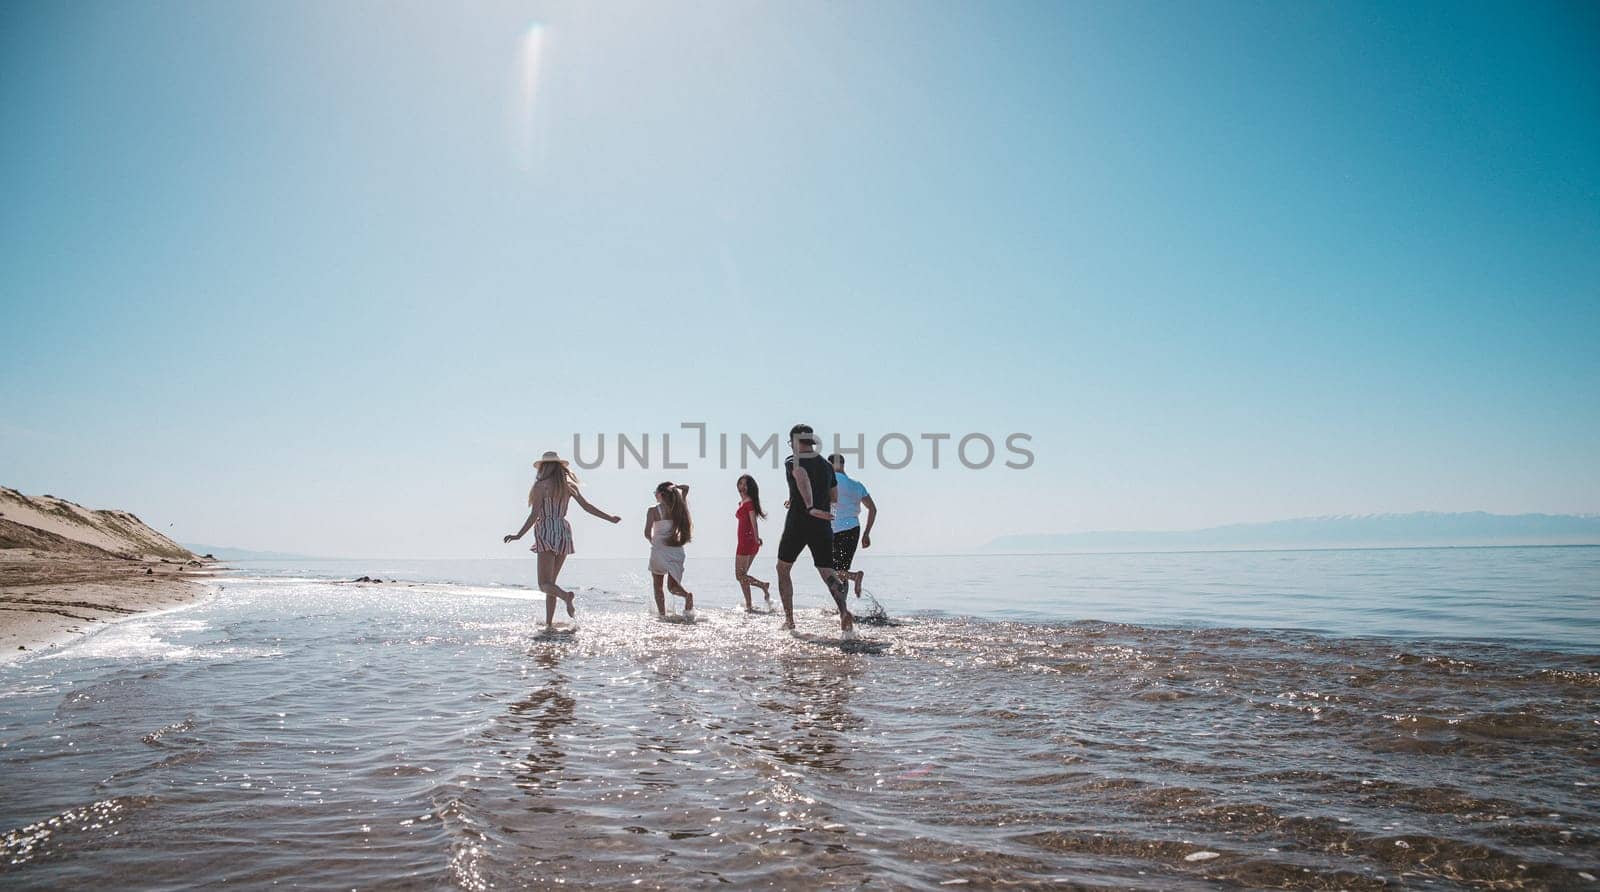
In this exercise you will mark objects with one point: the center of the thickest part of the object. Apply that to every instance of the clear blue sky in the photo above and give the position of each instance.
(326, 277)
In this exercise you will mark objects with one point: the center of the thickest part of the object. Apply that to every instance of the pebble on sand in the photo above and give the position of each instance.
(1201, 856)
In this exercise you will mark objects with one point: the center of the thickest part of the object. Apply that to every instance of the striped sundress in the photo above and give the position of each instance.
(551, 532)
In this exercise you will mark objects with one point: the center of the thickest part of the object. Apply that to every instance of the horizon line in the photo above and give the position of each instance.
(978, 554)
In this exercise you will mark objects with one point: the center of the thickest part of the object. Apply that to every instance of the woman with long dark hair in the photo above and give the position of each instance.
(749, 540)
(668, 528)
(553, 489)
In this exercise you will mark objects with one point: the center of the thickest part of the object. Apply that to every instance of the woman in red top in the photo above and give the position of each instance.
(749, 541)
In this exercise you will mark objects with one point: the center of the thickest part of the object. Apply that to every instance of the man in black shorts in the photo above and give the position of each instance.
(810, 525)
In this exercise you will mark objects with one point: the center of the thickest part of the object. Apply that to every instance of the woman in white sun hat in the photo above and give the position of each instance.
(556, 485)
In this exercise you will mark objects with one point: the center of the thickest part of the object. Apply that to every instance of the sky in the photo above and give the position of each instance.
(327, 277)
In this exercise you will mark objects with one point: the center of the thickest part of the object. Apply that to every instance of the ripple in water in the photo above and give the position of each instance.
(418, 737)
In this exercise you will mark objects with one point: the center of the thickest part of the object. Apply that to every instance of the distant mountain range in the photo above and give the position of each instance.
(1339, 531)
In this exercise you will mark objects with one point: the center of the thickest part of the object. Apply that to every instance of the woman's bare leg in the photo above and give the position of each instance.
(661, 597)
(548, 586)
(680, 591)
(741, 567)
(572, 607)
(549, 569)
(747, 580)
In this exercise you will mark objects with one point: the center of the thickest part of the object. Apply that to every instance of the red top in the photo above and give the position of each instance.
(747, 530)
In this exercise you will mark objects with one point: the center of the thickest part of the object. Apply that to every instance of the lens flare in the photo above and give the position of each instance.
(528, 139)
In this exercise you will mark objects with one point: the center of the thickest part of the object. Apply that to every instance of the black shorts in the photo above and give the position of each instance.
(804, 531)
(844, 547)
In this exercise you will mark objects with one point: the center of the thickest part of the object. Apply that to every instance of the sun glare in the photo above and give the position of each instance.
(528, 146)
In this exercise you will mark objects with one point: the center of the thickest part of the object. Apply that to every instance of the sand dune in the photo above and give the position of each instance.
(118, 533)
(66, 570)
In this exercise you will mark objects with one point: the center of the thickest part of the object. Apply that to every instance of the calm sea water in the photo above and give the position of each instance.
(1541, 597)
(1298, 720)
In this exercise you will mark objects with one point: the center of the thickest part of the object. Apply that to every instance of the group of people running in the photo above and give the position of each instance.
(823, 516)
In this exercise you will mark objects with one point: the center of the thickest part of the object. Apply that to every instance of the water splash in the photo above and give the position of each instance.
(870, 611)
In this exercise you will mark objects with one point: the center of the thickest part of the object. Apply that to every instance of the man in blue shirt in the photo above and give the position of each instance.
(847, 531)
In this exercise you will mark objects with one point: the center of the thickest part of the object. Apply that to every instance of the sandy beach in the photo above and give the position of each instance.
(47, 601)
(67, 571)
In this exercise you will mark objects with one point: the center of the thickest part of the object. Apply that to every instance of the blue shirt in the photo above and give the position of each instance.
(847, 511)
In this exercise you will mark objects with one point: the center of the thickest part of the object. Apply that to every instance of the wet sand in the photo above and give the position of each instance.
(47, 601)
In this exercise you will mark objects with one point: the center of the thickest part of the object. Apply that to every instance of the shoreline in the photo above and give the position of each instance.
(47, 603)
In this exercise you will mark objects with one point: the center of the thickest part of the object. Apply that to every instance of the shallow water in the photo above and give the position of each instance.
(1545, 597)
(300, 732)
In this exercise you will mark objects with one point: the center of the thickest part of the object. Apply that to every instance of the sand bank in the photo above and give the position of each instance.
(67, 570)
(48, 601)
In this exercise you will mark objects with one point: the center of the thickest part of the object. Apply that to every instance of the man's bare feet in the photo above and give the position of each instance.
(858, 576)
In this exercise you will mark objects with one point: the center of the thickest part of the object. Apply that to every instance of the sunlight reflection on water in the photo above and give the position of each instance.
(431, 735)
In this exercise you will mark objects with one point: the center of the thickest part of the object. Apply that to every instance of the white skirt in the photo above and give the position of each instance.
(667, 559)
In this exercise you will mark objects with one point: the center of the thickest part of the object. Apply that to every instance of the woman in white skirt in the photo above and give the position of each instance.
(668, 528)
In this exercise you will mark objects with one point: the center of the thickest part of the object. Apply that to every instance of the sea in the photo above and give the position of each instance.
(1332, 719)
